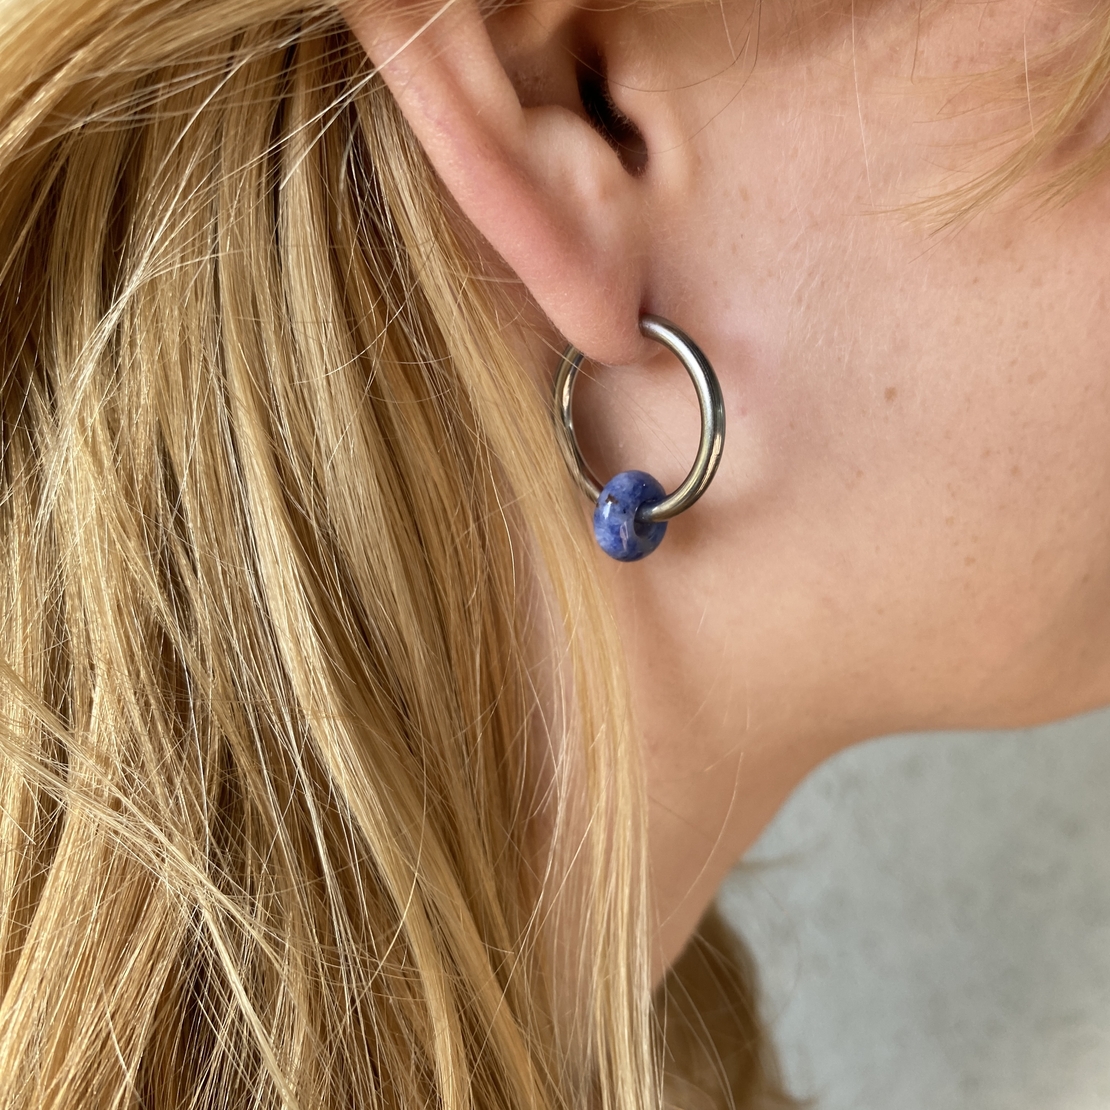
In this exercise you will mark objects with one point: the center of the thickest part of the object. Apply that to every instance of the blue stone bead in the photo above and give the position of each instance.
(618, 532)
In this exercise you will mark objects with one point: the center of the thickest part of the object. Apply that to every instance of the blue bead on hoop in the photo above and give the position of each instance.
(616, 528)
(632, 510)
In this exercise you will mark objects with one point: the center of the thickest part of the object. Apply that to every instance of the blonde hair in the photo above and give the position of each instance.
(314, 742)
(1054, 91)
(272, 485)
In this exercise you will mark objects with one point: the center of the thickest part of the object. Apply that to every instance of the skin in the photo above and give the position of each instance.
(910, 529)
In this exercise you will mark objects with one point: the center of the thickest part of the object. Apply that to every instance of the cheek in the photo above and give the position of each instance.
(917, 479)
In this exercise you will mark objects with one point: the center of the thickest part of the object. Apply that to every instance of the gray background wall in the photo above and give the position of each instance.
(931, 918)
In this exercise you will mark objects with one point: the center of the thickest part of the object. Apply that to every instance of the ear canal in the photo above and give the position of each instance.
(607, 119)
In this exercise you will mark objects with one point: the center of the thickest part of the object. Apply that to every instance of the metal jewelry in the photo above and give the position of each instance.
(632, 510)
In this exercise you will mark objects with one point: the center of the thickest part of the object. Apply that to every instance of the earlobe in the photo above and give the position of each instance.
(538, 180)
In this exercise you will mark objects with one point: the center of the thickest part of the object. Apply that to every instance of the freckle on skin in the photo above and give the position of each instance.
(890, 394)
(1015, 471)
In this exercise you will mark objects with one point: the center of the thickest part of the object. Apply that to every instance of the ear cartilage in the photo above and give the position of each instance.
(632, 510)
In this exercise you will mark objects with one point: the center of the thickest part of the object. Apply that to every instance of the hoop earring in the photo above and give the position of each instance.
(632, 510)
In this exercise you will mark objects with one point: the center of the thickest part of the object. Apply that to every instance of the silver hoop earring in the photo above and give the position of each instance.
(632, 510)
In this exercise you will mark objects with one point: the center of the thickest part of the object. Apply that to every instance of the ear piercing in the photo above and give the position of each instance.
(632, 510)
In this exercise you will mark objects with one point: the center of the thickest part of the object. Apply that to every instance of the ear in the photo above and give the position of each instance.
(531, 171)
